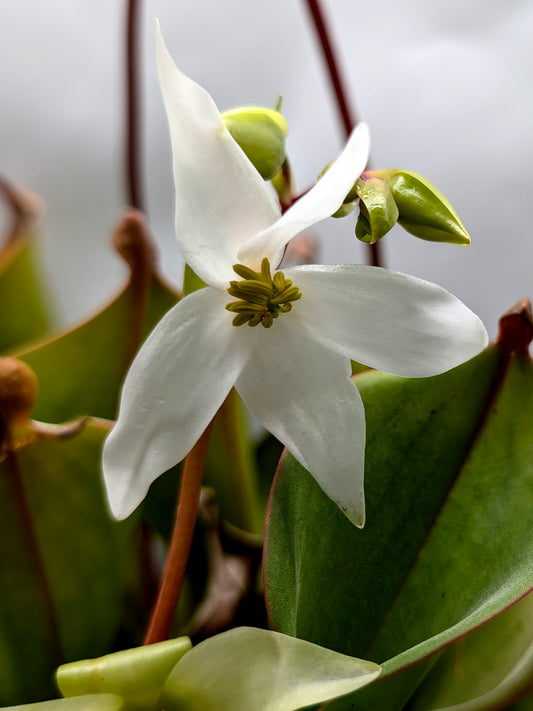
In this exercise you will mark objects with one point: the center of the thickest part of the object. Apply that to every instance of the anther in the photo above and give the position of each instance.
(261, 296)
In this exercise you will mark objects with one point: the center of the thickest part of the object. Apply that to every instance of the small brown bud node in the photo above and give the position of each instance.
(19, 388)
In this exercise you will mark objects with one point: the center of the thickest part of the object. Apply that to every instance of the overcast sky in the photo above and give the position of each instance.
(445, 87)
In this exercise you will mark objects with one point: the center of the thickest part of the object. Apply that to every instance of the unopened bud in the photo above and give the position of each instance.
(424, 211)
(344, 209)
(378, 210)
(260, 132)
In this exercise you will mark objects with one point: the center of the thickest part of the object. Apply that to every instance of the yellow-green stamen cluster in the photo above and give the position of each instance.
(261, 297)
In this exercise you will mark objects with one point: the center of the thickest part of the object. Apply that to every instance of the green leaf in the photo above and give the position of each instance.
(485, 670)
(136, 674)
(64, 574)
(24, 313)
(249, 668)
(99, 351)
(447, 546)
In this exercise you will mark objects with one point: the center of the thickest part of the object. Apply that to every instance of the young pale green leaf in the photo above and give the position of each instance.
(447, 545)
(94, 702)
(485, 670)
(249, 668)
(136, 674)
(69, 605)
(100, 349)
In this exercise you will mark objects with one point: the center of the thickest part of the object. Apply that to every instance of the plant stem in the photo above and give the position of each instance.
(180, 544)
(132, 121)
(348, 117)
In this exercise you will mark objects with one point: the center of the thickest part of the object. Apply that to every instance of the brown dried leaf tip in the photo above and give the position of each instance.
(516, 327)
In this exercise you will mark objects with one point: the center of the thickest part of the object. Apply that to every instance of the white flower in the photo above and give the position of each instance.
(294, 375)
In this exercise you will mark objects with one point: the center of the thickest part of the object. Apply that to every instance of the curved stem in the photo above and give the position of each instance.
(132, 122)
(180, 545)
(348, 117)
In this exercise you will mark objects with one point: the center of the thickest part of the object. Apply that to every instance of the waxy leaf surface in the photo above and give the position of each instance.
(448, 542)
(247, 668)
(486, 669)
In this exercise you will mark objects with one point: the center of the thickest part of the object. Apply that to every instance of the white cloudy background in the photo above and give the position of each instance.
(445, 87)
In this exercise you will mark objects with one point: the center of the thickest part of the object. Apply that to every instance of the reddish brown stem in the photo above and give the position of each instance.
(349, 120)
(132, 117)
(180, 544)
(348, 117)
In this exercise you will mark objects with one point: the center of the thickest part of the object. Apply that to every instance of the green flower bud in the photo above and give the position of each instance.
(344, 209)
(261, 134)
(424, 211)
(378, 211)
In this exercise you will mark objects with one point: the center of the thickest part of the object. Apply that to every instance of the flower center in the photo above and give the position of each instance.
(262, 297)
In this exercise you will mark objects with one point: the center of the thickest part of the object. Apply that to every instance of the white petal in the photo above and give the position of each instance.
(174, 387)
(302, 393)
(249, 668)
(221, 200)
(387, 320)
(320, 202)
